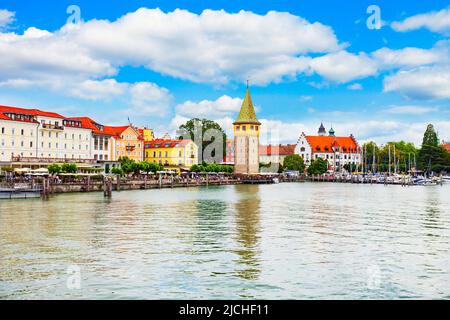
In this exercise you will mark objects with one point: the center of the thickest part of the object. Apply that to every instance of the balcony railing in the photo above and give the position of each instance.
(51, 160)
(52, 126)
(130, 148)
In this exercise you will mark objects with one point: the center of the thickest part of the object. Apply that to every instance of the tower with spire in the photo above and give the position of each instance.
(322, 132)
(246, 138)
(332, 133)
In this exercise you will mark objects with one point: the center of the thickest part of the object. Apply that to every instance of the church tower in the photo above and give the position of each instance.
(246, 139)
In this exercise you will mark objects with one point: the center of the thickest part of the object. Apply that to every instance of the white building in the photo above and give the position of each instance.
(337, 151)
(101, 142)
(36, 134)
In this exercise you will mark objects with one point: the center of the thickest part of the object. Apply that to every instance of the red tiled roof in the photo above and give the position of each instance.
(88, 123)
(117, 131)
(161, 143)
(32, 112)
(446, 146)
(283, 150)
(325, 144)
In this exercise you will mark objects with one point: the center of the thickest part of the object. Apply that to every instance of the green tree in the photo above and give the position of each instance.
(145, 166)
(196, 129)
(318, 166)
(294, 162)
(117, 171)
(69, 168)
(54, 169)
(432, 156)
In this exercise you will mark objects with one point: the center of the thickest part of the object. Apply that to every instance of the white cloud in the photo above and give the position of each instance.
(39, 55)
(413, 110)
(212, 47)
(343, 66)
(413, 57)
(355, 86)
(437, 21)
(421, 83)
(97, 90)
(6, 17)
(222, 107)
(150, 99)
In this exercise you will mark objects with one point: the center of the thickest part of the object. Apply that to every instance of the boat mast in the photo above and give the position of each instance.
(389, 163)
(395, 162)
(373, 160)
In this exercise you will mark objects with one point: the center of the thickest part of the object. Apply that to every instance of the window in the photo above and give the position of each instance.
(3, 130)
(167, 154)
(238, 128)
(12, 131)
(31, 144)
(49, 134)
(22, 132)
(154, 154)
(244, 128)
(252, 128)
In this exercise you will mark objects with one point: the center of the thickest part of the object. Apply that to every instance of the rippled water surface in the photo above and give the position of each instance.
(287, 241)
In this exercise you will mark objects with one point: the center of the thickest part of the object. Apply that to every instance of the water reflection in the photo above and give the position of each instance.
(248, 231)
(265, 242)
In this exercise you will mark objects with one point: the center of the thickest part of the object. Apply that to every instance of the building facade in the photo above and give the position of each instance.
(101, 145)
(275, 154)
(178, 153)
(246, 139)
(127, 141)
(337, 151)
(35, 134)
(228, 159)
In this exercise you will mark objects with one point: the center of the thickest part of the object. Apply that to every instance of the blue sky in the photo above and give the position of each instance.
(307, 61)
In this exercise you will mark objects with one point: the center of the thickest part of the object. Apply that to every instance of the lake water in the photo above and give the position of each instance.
(286, 241)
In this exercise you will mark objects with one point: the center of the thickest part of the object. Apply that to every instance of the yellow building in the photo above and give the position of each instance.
(127, 142)
(147, 134)
(246, 139)
(172, 153)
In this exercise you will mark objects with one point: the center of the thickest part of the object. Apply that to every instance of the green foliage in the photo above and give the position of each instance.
(318, 166)
(294, 162)
(432, 156)
(117, 171)
(69, 168)
(351, 167)
(54, 169)
(404, 154)
(196, 128)
(210, 168)
(7, 169)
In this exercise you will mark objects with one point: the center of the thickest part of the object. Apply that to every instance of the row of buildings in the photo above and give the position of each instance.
(248, 154)
(337, 151)
(34, 138)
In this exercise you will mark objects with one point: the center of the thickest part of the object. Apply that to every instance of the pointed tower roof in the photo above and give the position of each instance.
(247, 114)
(322, 130)
(332, 132)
